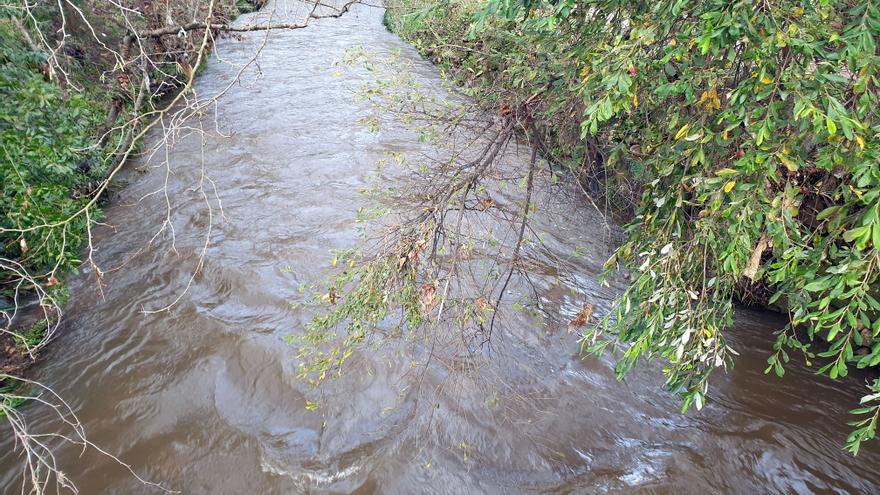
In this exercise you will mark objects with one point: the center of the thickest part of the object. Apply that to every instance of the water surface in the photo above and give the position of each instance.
(202, 398)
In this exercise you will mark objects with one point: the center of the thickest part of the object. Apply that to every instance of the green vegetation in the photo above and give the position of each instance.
(48, 159)
(373, 292)
(71, 108)
(33, 336)
(10, 396)
(743, 135)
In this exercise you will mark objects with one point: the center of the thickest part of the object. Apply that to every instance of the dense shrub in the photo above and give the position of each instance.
(750, 129)
(47, 159)
(55, 110)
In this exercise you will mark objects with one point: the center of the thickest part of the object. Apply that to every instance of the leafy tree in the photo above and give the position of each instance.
(751, 131)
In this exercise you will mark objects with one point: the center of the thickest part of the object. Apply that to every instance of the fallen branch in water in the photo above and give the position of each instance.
(454, 230)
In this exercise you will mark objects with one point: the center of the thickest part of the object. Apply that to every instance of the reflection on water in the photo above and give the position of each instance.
(203, 398)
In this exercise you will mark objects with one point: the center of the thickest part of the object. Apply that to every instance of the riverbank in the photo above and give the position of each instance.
(204, 398)
(501, 67)
(73, 104)
(744, 173)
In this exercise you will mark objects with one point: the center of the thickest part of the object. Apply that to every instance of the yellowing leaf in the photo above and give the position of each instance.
(860, 141)
(724, 172)
(780, 39)
(710, 99)
(729, 186)
(790, 165)
(859, 193)
(682, 132)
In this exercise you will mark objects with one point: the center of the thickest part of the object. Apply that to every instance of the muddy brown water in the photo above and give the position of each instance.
(203, 398)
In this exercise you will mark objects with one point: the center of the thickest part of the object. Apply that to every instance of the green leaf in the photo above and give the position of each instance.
(816, 286)
(831, 126)
(856, 233)
(827, 212)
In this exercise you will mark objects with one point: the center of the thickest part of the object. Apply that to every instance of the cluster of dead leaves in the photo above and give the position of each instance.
(428, 296)
(481, 304)
(581, 319)
(413, 255)
(331, 296)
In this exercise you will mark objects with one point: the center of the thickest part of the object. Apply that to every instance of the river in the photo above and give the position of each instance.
(203, 398)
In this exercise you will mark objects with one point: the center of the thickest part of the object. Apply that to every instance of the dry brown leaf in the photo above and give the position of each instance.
(755, 259)
(417, 249)
(428, 296)
(481, 304)
(582, 318)
(331, 295)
